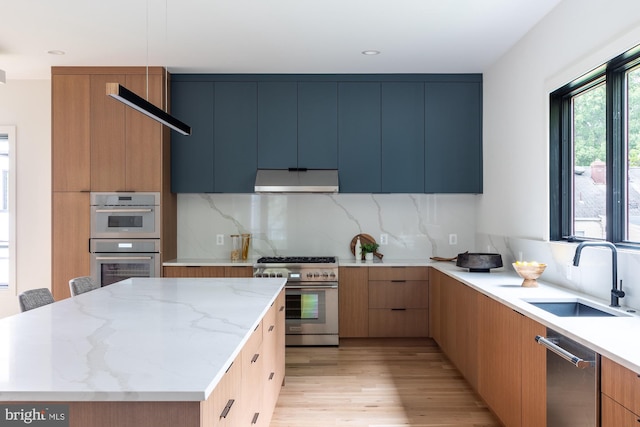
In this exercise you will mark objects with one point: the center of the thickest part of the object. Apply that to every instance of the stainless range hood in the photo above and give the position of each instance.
(296, 181)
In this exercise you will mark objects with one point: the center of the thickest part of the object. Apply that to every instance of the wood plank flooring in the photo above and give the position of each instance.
(376, 383)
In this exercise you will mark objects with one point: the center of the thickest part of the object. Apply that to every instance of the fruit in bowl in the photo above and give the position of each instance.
(529, 271)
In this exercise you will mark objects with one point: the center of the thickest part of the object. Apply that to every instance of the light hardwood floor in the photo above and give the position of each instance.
(377, 383)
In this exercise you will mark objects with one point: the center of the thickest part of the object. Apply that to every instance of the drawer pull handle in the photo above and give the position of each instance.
(255, 418)
(398, 281)
(281, 308)
(228, 368)
(227, 408)
(271, 375)
(398, 309)
(271, 328)
(254, 359)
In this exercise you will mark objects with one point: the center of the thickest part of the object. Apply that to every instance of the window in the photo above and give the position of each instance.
(595, 154)
(7, 207)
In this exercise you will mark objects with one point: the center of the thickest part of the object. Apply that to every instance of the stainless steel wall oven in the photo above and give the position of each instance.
(125, 236)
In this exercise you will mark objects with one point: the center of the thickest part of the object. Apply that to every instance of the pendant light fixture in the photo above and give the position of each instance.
(127, 97)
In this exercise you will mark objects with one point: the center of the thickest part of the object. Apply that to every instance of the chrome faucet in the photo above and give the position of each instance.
(616, 292)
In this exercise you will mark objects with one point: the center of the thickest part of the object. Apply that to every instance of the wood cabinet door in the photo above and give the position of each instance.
(613, 414)
(226, 410)
(193, 271)
(398, 294)
(500, 366)
(435, 310)
(71, 132)
(143, 160)
(621, 384)
(108, 136)
(534, 375)
(238, 271)
(70, 240)
(353, 302)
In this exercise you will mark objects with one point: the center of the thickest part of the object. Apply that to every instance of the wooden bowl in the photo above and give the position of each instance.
(529, 272)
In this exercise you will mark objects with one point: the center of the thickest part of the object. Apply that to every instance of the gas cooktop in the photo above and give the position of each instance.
(297, 260)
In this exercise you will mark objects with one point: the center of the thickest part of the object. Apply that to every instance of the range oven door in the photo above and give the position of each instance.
(125, 215)
(114, 260)
(311, 314)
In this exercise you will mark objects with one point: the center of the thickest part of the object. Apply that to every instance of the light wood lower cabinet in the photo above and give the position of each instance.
(226, 410)
(493, 347)
(207, 271)
(398, 302)
(620, 404)
(353, 302)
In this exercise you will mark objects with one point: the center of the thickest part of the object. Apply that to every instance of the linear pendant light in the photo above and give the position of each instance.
(124, 95)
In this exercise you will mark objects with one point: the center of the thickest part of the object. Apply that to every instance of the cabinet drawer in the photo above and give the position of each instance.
(398, 294)
(615, 415)
(384, 322)
(621, 384)
(193, 271)
(398, 273)
(253, 344)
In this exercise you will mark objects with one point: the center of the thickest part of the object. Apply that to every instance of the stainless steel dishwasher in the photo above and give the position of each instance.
(572, 382)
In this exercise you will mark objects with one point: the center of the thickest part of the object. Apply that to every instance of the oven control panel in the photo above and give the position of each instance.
(310, 274)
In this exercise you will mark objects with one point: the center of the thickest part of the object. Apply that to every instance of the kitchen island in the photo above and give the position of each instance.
(140, 352)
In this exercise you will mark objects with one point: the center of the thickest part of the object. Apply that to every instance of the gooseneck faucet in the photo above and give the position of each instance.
(616, 292)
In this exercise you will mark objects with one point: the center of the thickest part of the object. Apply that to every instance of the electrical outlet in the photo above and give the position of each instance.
(219, 239)
(453, 239)
(384, 239)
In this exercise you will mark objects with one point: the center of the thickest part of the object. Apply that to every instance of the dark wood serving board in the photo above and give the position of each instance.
(364, 238)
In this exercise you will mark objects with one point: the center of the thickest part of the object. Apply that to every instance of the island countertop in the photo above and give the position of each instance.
(158, 339)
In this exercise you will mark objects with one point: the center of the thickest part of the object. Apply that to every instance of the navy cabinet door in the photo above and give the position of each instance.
(403, 137)
(277, 128)
(359, 137)
(192, 156)
(453, 150)
(235, 136)
(318, 125)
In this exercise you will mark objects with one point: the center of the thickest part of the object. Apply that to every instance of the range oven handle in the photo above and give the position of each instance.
(312, 287)
(124, 210)
(128, 258)
(569, 357)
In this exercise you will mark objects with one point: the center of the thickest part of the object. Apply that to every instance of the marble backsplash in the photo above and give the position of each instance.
(417, 225)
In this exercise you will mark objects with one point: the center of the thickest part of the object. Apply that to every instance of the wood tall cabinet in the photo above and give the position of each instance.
(620, 397)
(99, 144)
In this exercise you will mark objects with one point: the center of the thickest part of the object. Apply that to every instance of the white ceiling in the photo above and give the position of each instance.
(264, 36)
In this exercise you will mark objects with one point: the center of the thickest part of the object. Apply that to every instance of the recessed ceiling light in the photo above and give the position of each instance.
(56, 52)
(371, 52)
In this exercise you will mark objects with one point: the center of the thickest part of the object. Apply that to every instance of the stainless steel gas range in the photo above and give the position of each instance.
(311, 297)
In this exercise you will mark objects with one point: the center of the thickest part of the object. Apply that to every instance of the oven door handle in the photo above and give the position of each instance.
(311, 287)
(128, 258)
(133, 210)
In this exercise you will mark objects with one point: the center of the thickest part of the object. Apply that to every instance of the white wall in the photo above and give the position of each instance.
(26, 104)
(575, 37)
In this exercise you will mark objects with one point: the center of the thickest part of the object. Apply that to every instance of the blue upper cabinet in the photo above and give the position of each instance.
(277, 127)
(235, 135)
(453, 144)
(192, 156)
(413, 133)
(403, 137)
(359, 138)
(318, 125)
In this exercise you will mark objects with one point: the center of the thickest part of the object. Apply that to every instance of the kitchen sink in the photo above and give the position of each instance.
(575, 308)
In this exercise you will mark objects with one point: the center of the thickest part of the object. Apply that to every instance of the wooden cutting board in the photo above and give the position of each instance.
(364, 238)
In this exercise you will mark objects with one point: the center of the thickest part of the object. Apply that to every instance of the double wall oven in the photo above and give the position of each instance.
(311, 292)
(125, 236)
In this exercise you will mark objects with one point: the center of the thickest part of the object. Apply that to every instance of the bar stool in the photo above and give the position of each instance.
(34, 298)
(80, 285)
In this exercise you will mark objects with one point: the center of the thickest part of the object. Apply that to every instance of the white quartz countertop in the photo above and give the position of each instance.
(613, 337)
(158, 339)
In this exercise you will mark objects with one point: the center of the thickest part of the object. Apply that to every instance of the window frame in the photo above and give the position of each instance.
(613, 73)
